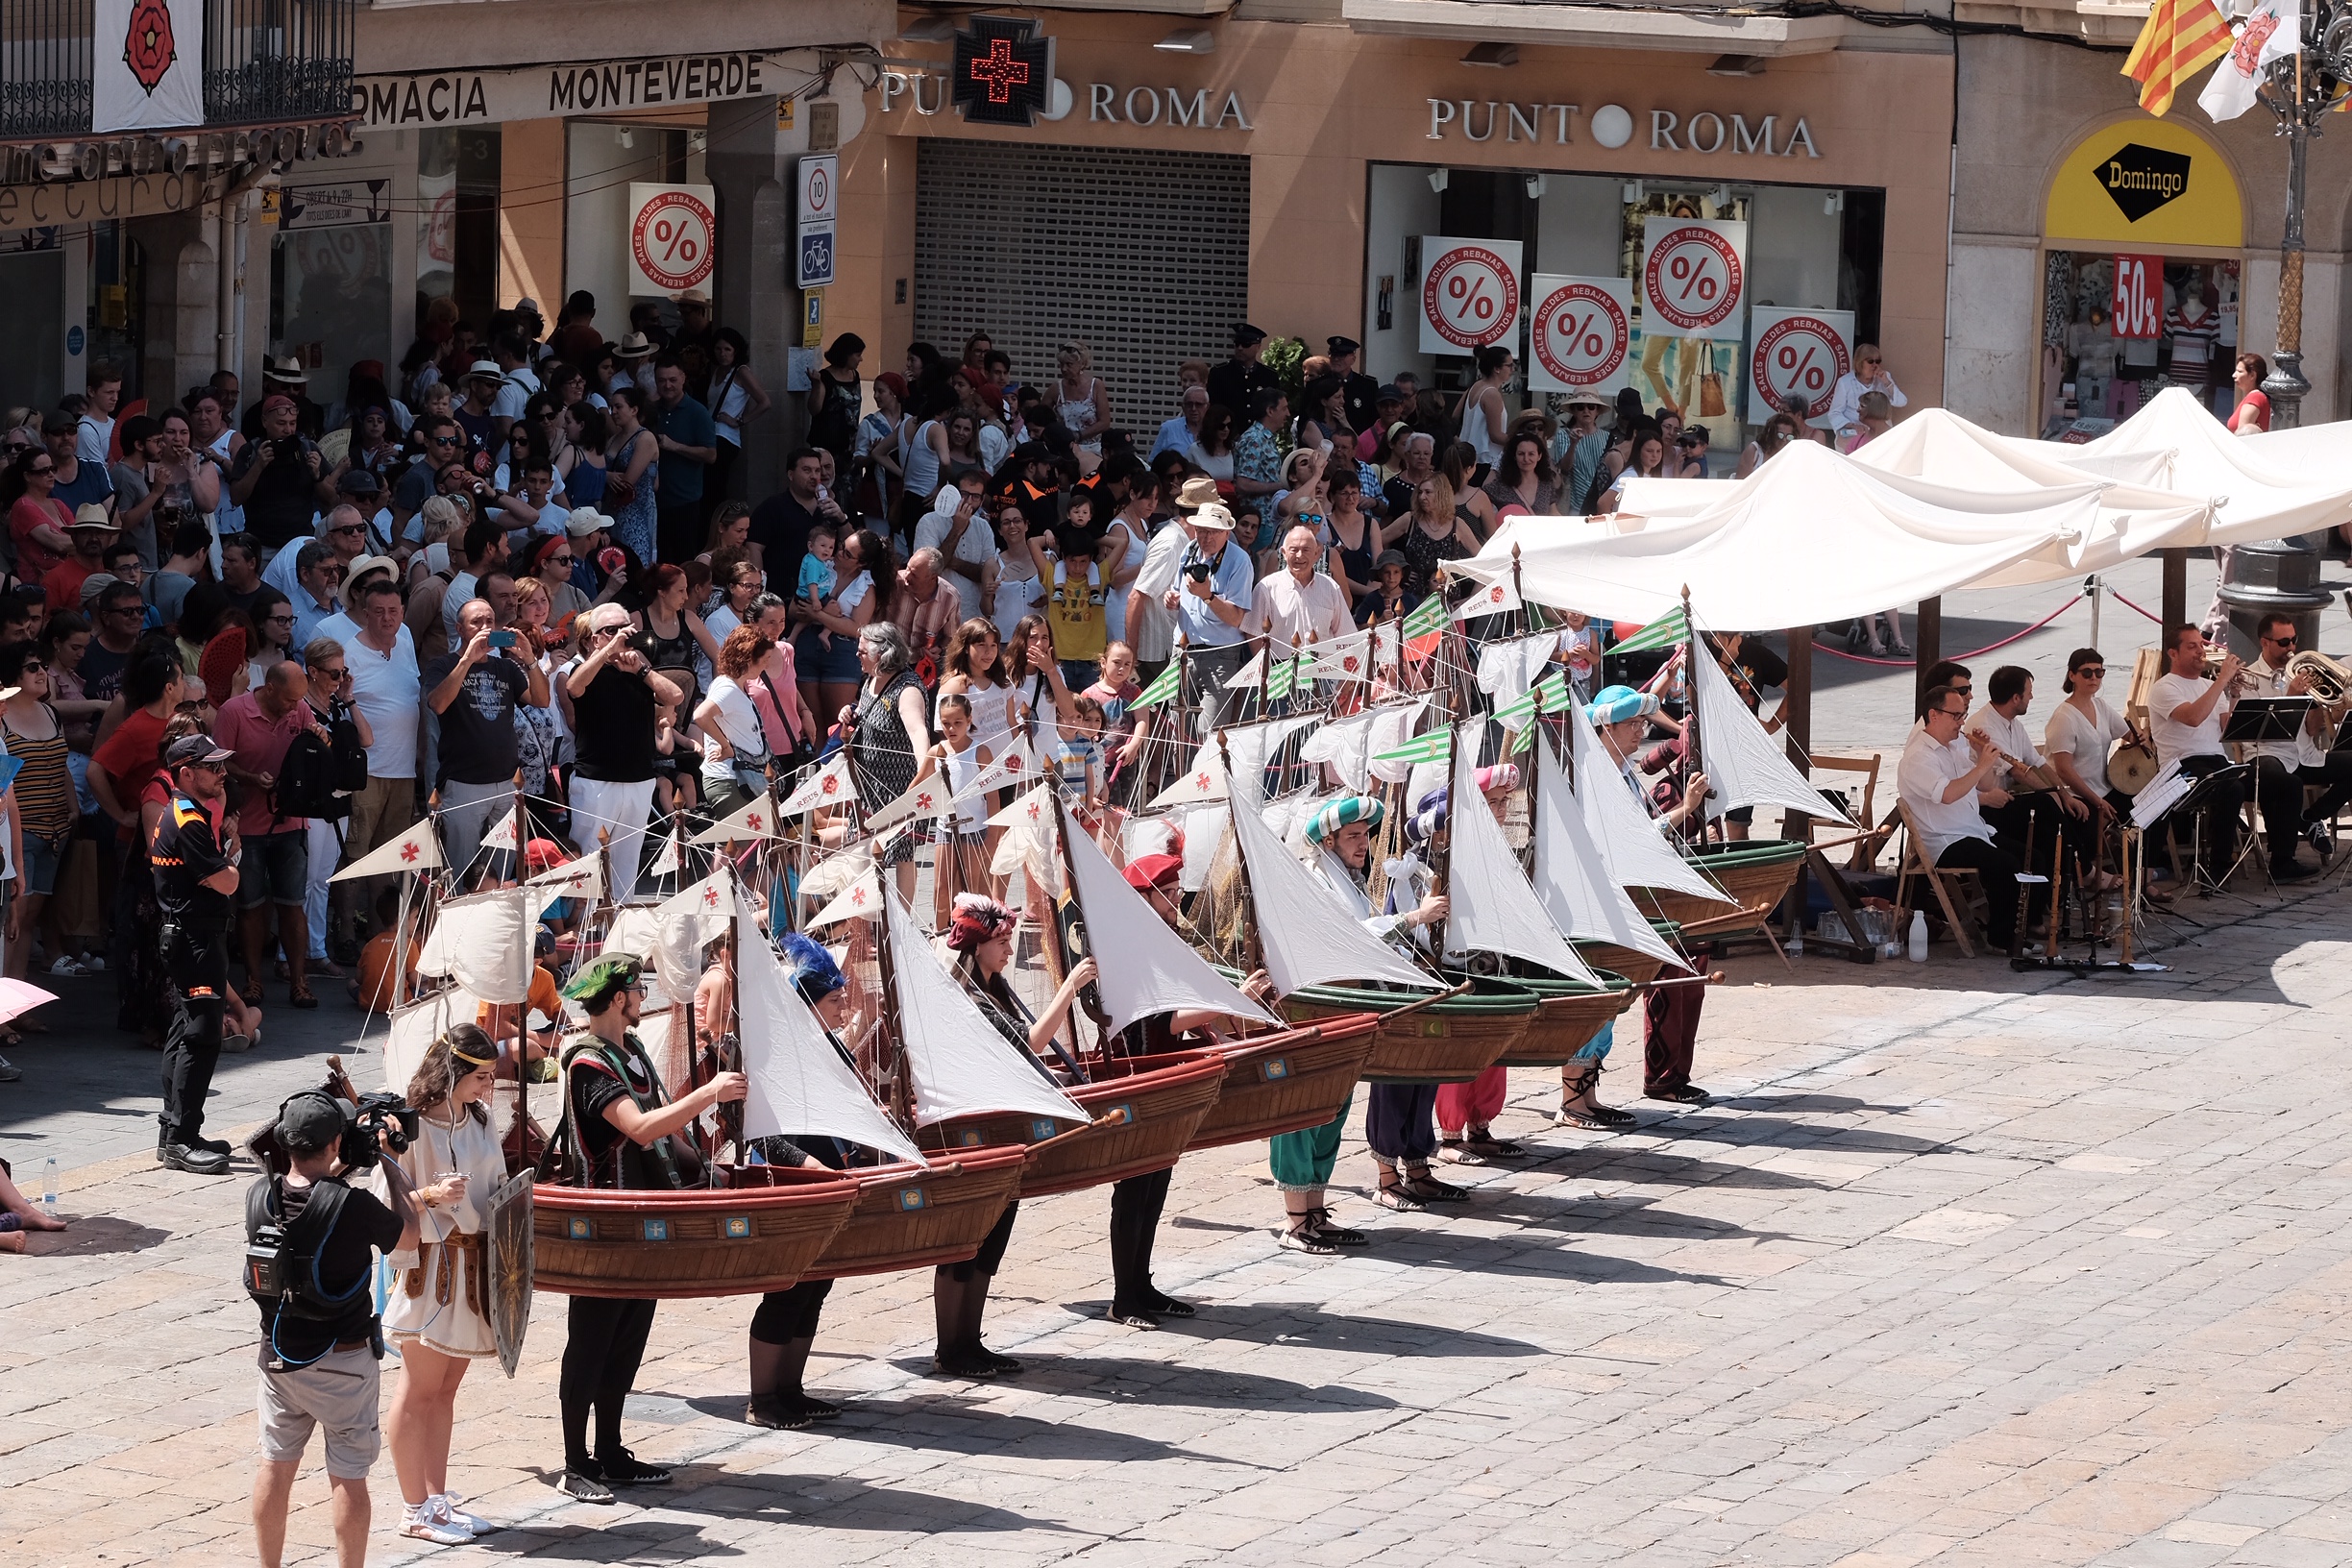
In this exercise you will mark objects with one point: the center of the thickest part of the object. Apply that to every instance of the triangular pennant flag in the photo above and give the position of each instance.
(1666, 631)
(713, 898)
(1249, 676)
(1163, 688)
(415, 850)
(831, 875)
(1343, 658)
(860, 900)
(672, 856)
(1427, 617)
(1282, 680)
(754, 818)
(580, 878)
(927, 797)
(1019, 764)
(1437, 746)
(1494, 599)
(1549, 695)
(503, 835)
(829, 786)
(1204, 781)
(1028, 843)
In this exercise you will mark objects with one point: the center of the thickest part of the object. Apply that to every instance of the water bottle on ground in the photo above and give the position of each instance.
(49, 1187)
(1919, 936)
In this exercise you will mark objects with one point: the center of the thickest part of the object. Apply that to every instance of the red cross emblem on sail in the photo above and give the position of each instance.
(1350, 664)
(1000, 71)
(754, 823)
(858, 897)
(923, 801)
(408, 851)
(1494, 594)
(831, 785)
(710, 898)
(148, 46)
(1034, 808)
(1200, 781)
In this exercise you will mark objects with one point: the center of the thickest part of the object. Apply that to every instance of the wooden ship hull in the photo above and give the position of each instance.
(1571, 1013)
(1637, 966)
(909, 1216)
(1756, 874)
(1445, 1042)
(723, 1242)
(1146, 1110)
(1285, 1082)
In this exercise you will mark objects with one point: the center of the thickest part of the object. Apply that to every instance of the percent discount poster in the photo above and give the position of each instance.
(1797, 353)
(1581, 334)
(1693, 277)
(1469, 294)
(673, 237)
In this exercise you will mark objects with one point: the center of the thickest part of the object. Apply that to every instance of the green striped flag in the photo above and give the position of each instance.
(1549, 695)
(1437, 746)
(1666, 631)
(1427, 617)
(1162, 687)
(1526, 739)
(1282, 679)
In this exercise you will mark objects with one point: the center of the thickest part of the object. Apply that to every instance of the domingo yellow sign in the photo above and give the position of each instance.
(2146, 182)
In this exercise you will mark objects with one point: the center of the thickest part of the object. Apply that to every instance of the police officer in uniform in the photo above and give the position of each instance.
(619, 1129)
(196, 883)
(1237, 382)
(1360, 392)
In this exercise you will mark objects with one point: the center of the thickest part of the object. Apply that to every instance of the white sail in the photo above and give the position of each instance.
(1572, 875)
(1391, 727)
(1342, 658)
(1493, 908)
(418, 850)
(829, 786)
(1506, 670)
(1204, 833)
(1203, 780)
(417, 1025)
(1247, 746)
(960, 1065)
(1146, 967)
(755, 818)
(860, 900)
(1028, 843)
(1346, 744)
(1637, 853)
(1310, 937)
(483, 941)
(1744, 766)
(829, 876)
(800, 1084)
(580, 878)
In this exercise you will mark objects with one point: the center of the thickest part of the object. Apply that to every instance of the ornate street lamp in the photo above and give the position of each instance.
(2299, 89)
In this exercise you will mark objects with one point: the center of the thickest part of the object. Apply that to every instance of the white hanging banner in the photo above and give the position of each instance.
(1798, 354)
(147, 58)
(1581, 333)
(1469, 293)
(1694, 275)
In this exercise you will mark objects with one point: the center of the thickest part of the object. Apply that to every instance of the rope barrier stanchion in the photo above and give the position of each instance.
(1820, 647)
(2127, 603)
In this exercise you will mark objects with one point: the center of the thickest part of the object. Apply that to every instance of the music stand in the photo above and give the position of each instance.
(2197, 801)
(2266, 721)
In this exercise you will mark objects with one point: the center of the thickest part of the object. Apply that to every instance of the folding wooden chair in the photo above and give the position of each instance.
(1963, 879)
(1865, 853)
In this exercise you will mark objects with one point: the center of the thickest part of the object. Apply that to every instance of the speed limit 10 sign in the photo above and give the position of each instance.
(1469, 293)
(1694, 275)
(1579, 334)
(1798, 354)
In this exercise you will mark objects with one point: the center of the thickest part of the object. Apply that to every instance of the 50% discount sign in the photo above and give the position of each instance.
(1695, 279)
(1581, 333)
(672, 238)
(1469, 294)
(1799, 354)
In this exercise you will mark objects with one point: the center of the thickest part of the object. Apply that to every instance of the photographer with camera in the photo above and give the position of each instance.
(193, 851)
(278, 478)
(619, 1129)
(310, 1241)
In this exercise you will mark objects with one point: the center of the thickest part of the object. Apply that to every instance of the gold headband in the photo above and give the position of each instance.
(467, 1058)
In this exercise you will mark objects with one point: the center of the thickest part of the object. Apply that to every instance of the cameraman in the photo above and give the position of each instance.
(278, 479)
(194, 856)
(319, 1359)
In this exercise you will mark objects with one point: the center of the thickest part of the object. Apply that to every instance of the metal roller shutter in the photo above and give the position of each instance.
(1143, 256)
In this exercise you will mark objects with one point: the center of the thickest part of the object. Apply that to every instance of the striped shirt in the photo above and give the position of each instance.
(45, 789)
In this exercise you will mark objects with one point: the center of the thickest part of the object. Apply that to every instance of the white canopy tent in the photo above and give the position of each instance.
(1809, 537)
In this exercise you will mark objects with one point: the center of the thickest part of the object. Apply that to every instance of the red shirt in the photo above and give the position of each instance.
(32, 558)
(260, 744)
(129, 756)
(62, 584)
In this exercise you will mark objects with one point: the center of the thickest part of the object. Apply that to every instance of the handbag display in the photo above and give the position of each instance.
(1711, 395)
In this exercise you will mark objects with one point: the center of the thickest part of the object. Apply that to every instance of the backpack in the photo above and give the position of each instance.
(318, 778)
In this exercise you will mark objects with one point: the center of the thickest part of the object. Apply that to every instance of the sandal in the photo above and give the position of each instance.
(964, 1361)
(1304, 1238)
(1168, 1306)
(1570, 1116)
(1487, 1146)
(774, 1412)
(1337, 1235)
(1430, 1189)
(250, 992)
(301, 997)
(1393, 1193)
(1454, 1151)
(816, 1409)
(1133, 1317)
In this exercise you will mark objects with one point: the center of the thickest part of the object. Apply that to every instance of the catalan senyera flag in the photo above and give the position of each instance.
(2181, 36)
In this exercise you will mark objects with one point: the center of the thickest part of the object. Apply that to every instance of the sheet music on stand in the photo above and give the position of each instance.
(2161, 795)
(2267, 719)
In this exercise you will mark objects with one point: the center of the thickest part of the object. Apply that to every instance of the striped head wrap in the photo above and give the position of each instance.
(1325, 824)
(1615, 704)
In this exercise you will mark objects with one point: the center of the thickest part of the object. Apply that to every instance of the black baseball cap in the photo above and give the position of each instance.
(358, 482)
(309, 1121)
(194, 749)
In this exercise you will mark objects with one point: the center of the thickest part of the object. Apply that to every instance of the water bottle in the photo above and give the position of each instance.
(49, 1187)
(1919, 936)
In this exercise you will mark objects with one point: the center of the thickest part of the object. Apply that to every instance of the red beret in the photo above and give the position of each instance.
(1153, 871)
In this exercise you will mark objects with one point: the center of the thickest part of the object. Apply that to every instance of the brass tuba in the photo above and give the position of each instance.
(2331, 680)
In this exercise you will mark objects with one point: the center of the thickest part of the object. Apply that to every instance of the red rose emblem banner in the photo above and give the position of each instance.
(148, 70)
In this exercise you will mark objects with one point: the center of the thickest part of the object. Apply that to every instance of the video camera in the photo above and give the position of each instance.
(356, 1146)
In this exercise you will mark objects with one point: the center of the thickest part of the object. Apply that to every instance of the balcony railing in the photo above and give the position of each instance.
(265, 61)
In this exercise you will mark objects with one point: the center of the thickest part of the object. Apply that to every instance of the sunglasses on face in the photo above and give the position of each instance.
(2288, 641)
(332, 675)
(557, 560)
(442, 440)
(2092, 672)
(42, 472)
(353, 527)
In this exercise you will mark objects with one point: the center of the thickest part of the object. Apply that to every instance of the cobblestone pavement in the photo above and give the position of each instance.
(1963, 1266)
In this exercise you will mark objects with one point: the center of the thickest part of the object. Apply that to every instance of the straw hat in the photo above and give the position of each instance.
(634, 347)
(1198, 493)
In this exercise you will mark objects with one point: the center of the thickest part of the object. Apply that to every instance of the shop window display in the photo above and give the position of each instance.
(2098, 368)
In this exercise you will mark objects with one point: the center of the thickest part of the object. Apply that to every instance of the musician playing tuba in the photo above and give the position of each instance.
(2282, 769)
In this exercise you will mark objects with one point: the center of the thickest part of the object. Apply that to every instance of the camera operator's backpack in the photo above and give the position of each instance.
(280, 1270)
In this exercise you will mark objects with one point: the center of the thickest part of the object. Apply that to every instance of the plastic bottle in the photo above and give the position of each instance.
(49, 1187)
(1919, 936)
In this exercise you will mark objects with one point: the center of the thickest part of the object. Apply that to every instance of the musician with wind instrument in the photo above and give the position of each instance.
(2024, 799)
(2284, 768)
